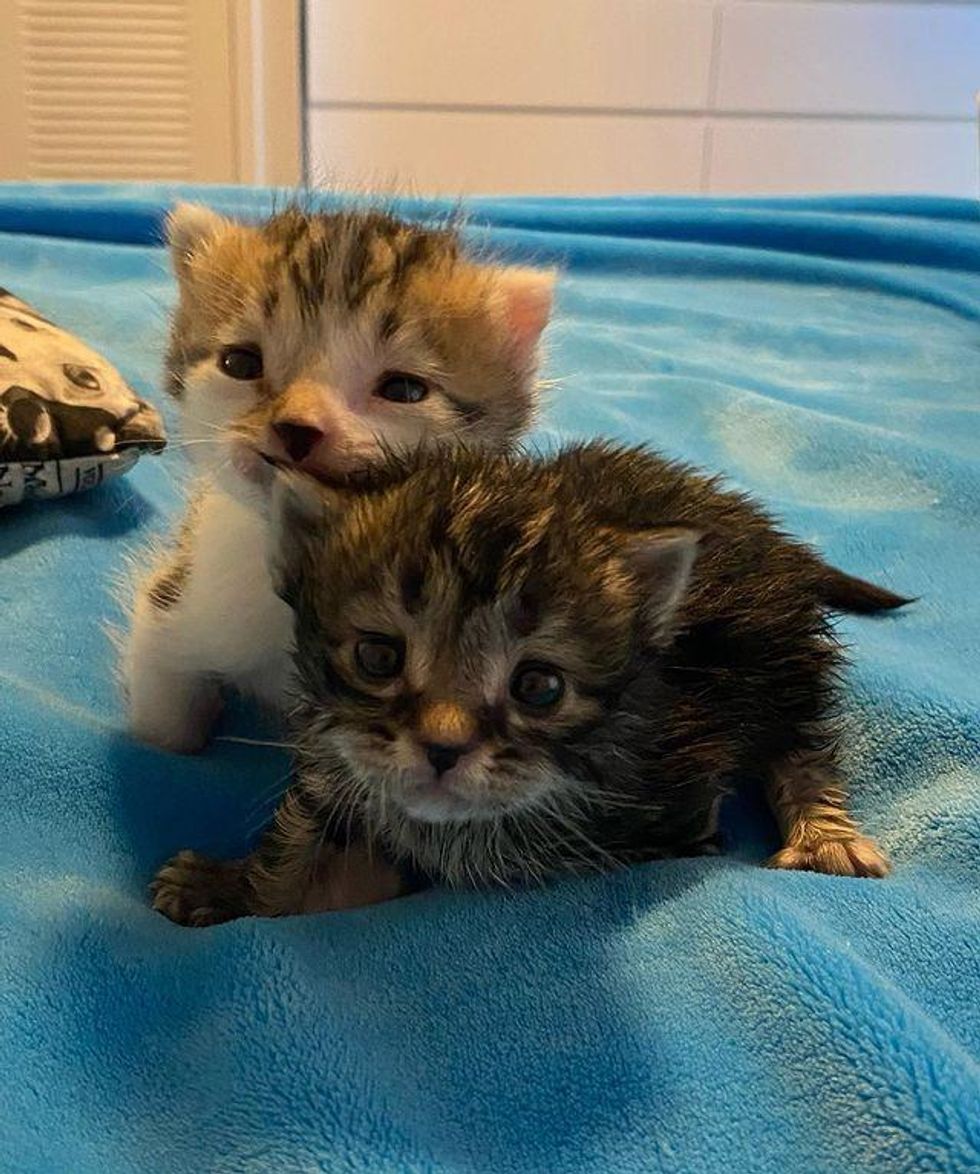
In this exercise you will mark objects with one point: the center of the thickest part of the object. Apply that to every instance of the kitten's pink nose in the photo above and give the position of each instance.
(298, 439)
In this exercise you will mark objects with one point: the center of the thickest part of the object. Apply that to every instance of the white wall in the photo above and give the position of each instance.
(563, 96)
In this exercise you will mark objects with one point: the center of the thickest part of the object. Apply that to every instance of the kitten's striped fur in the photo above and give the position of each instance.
(689, 635)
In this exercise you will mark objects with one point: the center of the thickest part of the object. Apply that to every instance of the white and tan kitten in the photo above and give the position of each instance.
(315, 340)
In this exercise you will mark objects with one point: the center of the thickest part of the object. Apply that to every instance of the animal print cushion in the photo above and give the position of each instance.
(68, 419)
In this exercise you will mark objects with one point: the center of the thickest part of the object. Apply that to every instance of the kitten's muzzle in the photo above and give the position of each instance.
(304, 428)
(313, 447)
(298, 439)
(445, 732)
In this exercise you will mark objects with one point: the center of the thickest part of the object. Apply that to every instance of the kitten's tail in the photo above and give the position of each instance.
(844, 592)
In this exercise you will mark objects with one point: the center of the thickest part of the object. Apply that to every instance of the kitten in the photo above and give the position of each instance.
(310, 340)
(511, 668)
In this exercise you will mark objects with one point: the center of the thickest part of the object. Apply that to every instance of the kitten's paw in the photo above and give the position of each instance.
(195, 890)
(857, 856)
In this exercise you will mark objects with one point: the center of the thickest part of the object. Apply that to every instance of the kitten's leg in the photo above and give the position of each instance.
(170, 705)
(207, 613)
(818, 832)
(192, 889)
(292, 871)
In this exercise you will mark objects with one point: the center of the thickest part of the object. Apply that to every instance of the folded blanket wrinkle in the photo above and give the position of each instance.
(703, 1015)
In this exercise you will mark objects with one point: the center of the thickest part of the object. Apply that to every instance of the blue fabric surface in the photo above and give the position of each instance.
(687, 1016)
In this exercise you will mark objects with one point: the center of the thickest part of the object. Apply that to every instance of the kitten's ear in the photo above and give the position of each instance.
(189, 227)
(662, 560)
(299, 511)
(527, 296)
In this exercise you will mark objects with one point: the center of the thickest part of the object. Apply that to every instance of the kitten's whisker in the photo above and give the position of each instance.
(607, 799)
(254, 741)
(202, 423)
(268, 798)
(126, 502)
(382, 796)
(221, 430)
(336, 806)
(601, 854)
(183, 441)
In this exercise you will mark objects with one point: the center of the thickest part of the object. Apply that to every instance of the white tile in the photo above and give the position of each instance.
(619, 54)
(786, 155)
(475, 152)
(895, 59)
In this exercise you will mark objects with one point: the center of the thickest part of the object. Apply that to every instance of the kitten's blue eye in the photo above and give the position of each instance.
(241, 362)
(402, 389)
(537, 685)
(380, 657)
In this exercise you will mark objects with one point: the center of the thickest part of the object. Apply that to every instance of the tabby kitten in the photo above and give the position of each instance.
(511, 668)
(310, 340)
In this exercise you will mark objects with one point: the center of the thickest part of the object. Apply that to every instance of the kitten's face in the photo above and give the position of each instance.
(454, 706)
(316, 340)
(456, 637)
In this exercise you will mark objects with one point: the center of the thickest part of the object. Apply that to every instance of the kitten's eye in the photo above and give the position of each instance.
(402, 389)
(241, 362)
(380, 657)
(537, 685)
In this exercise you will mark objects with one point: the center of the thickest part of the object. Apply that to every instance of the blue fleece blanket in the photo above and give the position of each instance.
(686, 1016)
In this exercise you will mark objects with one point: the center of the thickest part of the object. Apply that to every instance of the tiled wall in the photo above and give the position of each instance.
(644, 95)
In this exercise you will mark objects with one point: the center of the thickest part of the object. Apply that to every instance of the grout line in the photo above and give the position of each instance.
(639, 112)
(714, 62)
(714, 68)
(305, 104)
(260, 159)
(235, 85)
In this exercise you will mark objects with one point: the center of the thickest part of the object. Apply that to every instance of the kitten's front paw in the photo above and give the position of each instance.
(857, 856)
(195, 890)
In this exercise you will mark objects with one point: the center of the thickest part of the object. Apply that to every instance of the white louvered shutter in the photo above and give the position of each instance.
(118, 89)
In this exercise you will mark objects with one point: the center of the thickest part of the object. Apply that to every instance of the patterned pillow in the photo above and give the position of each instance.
(68, 419)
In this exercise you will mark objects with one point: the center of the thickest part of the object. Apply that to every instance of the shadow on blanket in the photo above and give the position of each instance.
(112, 511)
(217, 802)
